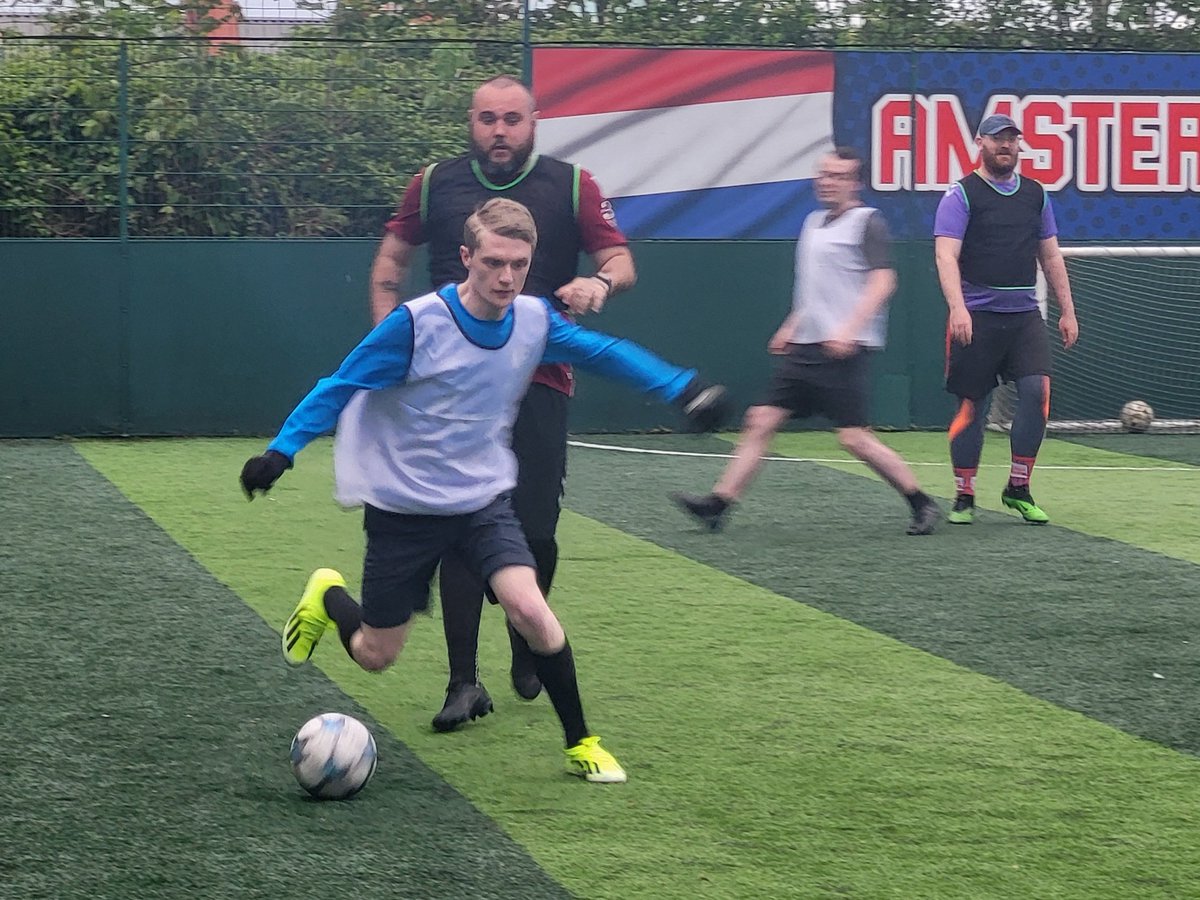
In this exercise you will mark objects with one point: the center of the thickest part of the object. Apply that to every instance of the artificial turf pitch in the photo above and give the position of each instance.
(810, 704)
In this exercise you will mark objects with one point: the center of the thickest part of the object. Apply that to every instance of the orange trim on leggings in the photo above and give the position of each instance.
(1046, 397)
(963, 418)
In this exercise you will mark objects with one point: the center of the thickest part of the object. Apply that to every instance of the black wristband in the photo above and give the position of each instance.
(607, 283)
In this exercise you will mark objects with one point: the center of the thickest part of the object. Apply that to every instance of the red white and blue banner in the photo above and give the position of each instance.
(691, 143)
(695, 143)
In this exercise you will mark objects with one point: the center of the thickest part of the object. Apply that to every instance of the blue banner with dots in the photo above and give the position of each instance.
(1115, 137)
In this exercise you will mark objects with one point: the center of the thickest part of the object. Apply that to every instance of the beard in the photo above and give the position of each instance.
(494, 171)
(996, 167)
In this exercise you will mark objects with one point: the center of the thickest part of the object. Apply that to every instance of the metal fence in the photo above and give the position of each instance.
(182, 138)
(307, 119)
(979, 24)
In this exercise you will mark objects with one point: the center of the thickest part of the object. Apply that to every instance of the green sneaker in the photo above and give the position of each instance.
(308, 621)
(963, 512)
(1018, 498)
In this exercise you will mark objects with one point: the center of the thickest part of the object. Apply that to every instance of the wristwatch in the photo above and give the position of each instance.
(607, 282)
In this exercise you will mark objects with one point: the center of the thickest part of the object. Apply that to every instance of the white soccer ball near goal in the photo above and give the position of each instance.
(333, 756)
(1136, 416)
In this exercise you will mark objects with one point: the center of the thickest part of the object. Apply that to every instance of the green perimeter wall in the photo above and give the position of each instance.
(216, 337)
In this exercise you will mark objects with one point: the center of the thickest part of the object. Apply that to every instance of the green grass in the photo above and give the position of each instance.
(1182, 448)
(1081, 621)
(775, 749)
(1152, 507)
(147, 721)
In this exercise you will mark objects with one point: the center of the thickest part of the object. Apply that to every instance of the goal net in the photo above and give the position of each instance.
(1139, 315)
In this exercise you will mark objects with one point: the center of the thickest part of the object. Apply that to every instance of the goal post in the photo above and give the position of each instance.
(1139, 322)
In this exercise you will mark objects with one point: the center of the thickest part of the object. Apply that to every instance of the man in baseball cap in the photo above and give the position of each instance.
(992, 230)
(995, 124)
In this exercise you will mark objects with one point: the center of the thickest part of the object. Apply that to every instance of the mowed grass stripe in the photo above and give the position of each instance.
(147, 720)
(774, 750)
(1153, 508)
(1182, 448)
(1087, 623)
(1150, 508)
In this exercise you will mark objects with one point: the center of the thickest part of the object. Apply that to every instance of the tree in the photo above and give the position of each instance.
(319, 138)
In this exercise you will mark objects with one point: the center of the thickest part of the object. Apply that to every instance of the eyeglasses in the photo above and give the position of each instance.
(838, 176)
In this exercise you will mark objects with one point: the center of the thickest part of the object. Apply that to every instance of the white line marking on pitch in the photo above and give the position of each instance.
(585, 445)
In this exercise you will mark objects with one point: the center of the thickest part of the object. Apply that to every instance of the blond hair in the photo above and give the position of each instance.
(506, 218)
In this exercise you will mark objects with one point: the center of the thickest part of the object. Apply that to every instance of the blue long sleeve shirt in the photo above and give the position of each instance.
(383, 357)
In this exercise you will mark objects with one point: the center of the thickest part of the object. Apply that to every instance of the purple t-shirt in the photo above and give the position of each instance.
(951, 222)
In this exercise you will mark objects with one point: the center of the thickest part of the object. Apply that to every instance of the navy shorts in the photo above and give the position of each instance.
(1004, 347)
(539, 441)
(403, 551)
(807, 382)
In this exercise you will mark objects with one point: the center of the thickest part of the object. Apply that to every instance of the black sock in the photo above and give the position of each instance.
(557, 673)
(523, 657)
(545, 554)
(346, 614)
(917, 499)
(461, 594)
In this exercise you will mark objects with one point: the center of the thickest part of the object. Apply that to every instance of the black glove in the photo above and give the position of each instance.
(705, 405)
(261, 472)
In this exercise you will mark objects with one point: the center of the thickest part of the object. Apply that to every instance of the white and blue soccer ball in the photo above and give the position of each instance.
(333, 756)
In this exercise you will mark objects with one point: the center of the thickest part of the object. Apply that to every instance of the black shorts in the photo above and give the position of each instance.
(807, 382)
(539, 440)
(1004, 347)
(404, 550)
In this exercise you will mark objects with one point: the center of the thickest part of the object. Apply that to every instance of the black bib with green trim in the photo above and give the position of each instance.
(549, 189)
(1000, 247)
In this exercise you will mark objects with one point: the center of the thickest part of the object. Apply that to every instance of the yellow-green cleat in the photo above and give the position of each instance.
(963, 512)
(1019, 498)
(308, 620)
(590, 761)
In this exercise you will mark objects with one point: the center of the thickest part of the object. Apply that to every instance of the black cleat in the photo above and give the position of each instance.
(707, 509)
(525, 680)
(526, 684)
(925, 519)
(464, 702)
